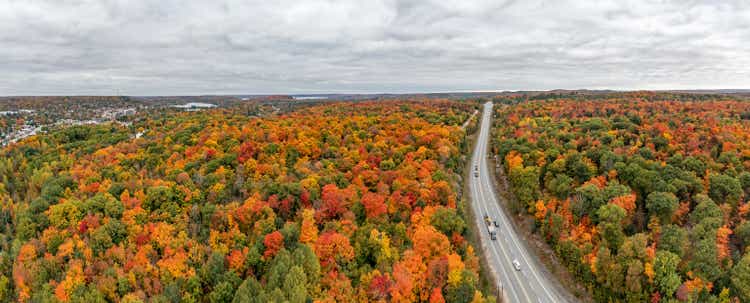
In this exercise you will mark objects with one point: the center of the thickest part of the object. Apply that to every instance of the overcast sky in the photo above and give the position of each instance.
(169, 47)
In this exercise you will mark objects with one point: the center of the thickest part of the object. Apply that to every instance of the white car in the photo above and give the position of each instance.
(516, 265)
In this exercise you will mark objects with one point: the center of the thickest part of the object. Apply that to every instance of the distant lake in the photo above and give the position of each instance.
(309, 97)
(195, 105)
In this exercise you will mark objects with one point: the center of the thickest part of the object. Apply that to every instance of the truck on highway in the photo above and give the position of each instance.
(491, 227)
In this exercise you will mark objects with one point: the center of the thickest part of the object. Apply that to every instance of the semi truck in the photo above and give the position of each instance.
(491, 227)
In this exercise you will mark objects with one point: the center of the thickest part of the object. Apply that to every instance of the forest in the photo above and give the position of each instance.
(333, 203)
(643, 196)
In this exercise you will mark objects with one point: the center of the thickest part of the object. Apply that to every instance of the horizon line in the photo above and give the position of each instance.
(698, 90)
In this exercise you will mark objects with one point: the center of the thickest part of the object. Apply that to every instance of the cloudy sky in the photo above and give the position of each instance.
(137, 47)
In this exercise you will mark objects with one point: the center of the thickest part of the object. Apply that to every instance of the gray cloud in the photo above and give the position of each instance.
(232, 46)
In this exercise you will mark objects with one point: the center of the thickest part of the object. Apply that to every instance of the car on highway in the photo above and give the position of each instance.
(476, 174)
(494, 222)
(493, 233)
(516, 265)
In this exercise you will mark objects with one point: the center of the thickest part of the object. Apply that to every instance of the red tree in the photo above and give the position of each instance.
(273, 242)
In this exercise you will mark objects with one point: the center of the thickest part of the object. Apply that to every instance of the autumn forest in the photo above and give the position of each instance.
(345, 202)
(641, 196)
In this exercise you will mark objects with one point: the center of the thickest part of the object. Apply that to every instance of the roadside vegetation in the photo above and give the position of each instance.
(643, 196)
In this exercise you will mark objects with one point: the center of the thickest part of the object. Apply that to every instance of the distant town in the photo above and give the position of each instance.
(46, 113)
(23, 117)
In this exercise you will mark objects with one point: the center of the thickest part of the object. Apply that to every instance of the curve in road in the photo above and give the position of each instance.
(525, 283)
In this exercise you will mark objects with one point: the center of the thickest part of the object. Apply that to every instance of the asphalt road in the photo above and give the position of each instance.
(528, 284)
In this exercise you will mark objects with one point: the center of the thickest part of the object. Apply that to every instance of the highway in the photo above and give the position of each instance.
(528, 283)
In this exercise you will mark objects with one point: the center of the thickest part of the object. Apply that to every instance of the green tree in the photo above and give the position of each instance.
(280, 266)
(160, 197)
(740, 278)
(304, 256)
(525, 185)
(587, 201)
(117, 230)
(743, 233)
(665, 269)
(463, 292)
(560, 186)
(212, 270)
(447, 221)
(634, 277)
(295, 285)
(250, 291)
(705, 258)
(113, 208)
(610, 224)
(87, 294)
(695, 165)
(706, 212)
(576, 165)
(662, 205)
(744, 179)
(674, 239)
(609, 272)
(615, 189)
(4, 288)
(221, 293)
(724, 189)
(64, 215)
(100, 240)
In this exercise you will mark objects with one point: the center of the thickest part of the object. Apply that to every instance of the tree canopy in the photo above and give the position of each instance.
(644, 196)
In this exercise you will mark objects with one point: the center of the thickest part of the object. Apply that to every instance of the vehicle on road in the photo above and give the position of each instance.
(491, 224)
(493, 233)
(516, 265)
(494, 222)
(476, 174)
